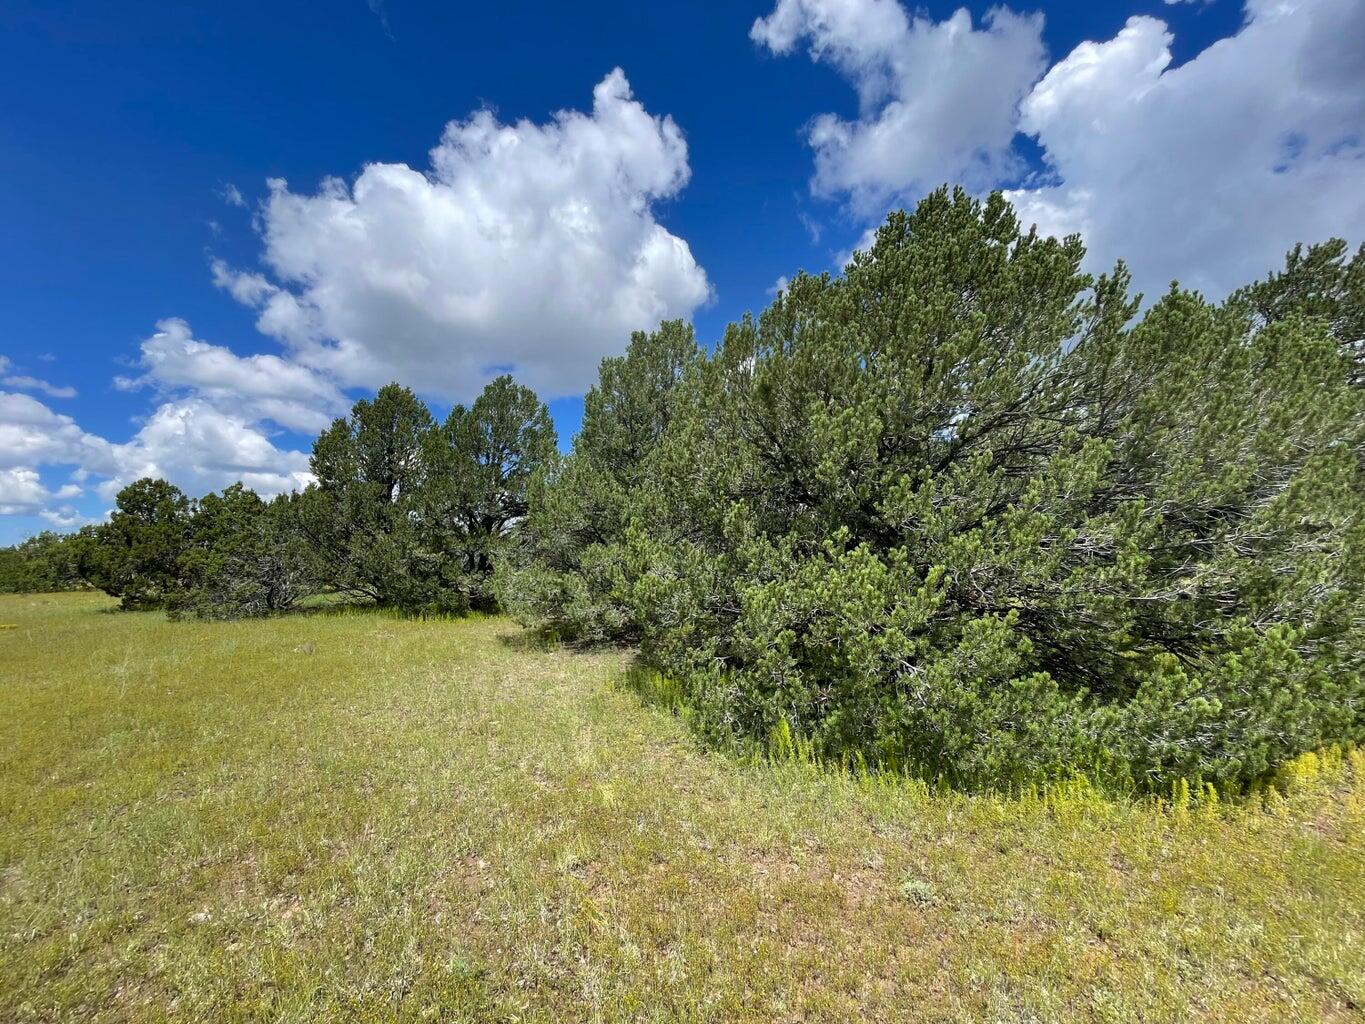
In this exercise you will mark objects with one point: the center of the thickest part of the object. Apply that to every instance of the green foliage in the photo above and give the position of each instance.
(247, 557)
(958, 511)
(135, 556)
(566, 576)
(412, 514)
(43, 564)
(483, 461)
(1321, 283)
(361, 516)
(405, 512)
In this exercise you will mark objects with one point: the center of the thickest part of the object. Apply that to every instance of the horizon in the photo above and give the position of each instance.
(223, 227)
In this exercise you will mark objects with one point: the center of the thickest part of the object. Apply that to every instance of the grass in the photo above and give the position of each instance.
(428, 821)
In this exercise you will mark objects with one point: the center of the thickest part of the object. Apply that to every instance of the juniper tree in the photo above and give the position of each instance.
(566, 574)
(953, 508)
(246, 557)
(135, 556)
(361, 515)
(45, 563)
(481, 463)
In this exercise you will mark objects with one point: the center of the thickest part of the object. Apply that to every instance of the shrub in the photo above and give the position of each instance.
(246, 557)
(957, 509)
(135, 556)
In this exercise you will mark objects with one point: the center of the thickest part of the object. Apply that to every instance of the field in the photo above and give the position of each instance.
(358, 817)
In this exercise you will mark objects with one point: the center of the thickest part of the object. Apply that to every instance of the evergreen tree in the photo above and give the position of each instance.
(246, 557)
(135, 556)
(954, 509)
(42, 564)
(566, 576)
(482, 462)
(361, 516)
(1319, 282)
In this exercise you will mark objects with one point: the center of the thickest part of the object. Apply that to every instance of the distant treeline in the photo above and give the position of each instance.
(406, 512)
(43, 564)
(960, 510)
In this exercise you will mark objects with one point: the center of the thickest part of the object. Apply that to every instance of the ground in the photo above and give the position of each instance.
(357, 817)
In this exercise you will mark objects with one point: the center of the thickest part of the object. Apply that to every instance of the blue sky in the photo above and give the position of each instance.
(207, 320)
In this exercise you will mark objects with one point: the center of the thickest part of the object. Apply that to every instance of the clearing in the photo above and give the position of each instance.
(358, 817)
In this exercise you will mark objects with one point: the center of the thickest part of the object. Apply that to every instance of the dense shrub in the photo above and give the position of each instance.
(565, 573)
(46, 563)
(245, 557)
(958, 510)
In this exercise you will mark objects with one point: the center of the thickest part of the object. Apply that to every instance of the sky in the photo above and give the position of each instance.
(222, 224)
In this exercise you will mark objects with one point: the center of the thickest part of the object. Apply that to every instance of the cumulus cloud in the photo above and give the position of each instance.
(200, 448)
(33, 435)
(254, 388)
(1209, 171)
(937, 101)
(525, 247)
(1206, 172)
(212, 431)
(192, 442)
(26, 383)
(21, 492)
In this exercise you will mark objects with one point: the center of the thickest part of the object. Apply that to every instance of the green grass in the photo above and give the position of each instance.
(436, 821)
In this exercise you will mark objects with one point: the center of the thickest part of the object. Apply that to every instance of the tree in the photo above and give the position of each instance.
(413, 515)
(361, 516)
(1319, 282)
(956, 510)
(482, 461)
(246, 557)
(136, 555)
(45, 563)
(566, 575)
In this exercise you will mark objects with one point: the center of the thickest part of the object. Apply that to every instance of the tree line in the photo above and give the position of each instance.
(405, 512)
(964, 510)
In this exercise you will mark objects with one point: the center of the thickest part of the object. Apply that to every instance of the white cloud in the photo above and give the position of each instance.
(253, 388)
(938, 101)
(1206, 172)
(26, 383)
(232, 195)
(21, 492)
(526, 246)
(1209, 171)
(66, 517)
(33, 435)
(378, 9)
(200, 448)
(196, 442)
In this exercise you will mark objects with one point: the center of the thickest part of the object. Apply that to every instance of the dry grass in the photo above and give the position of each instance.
(430, 821)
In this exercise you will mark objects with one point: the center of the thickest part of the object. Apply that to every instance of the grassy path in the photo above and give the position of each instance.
(361, 818)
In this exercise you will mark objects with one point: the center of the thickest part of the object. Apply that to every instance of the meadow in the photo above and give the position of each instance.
(356, 816)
